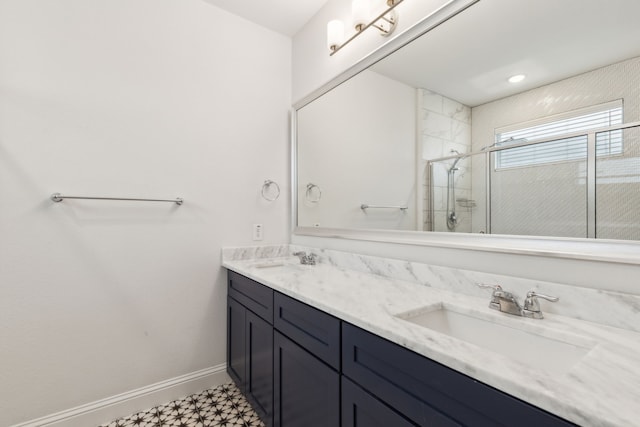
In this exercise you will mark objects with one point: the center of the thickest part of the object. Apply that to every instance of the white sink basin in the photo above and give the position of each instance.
(538, 347)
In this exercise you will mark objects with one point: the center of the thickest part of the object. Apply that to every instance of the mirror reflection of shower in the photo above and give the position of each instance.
(452, 219)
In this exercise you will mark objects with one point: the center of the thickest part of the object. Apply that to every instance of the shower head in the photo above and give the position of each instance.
(453, 166)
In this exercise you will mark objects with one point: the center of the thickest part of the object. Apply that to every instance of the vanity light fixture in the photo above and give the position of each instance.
(517, 78)
(385, 22)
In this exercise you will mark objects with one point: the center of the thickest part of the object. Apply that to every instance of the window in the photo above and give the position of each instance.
(562, 149)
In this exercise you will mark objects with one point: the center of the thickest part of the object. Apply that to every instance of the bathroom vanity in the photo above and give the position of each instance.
(325, 346)
(300, 366)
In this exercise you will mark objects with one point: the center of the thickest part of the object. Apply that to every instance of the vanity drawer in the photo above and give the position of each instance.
(256, 297)
(312, 329)
(360, 409)
(429, 393)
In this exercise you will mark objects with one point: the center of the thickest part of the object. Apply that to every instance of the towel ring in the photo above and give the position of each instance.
(309, 194)
(265, 190)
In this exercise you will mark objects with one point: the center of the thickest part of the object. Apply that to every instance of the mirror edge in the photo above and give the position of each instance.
(604, 250)
(423, 26)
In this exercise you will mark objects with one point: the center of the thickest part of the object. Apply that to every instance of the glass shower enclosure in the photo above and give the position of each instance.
(583, 184)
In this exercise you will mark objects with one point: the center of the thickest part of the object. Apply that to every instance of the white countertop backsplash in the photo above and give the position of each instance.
(602, 389)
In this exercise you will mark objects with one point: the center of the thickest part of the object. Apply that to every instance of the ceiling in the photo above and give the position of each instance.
(286, 17)
(470, 57)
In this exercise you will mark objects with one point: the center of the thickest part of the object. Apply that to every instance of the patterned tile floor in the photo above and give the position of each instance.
(222, 406)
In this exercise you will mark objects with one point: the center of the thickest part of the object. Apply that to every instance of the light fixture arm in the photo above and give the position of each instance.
(389, 22)
(389, 25)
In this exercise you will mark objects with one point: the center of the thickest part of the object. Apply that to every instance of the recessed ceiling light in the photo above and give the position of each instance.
(517, 78)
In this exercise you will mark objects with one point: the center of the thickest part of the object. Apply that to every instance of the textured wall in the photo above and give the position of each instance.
(529, 200)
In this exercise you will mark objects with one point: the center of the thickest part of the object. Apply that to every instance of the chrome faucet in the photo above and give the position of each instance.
(507, 302)
(532, 305)
(306, 259)
(502, 300)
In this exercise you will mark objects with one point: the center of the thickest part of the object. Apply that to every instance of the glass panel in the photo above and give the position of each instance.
(540, 200)
(598, 116)
(451, 204)
(436, 219)
(618, 187)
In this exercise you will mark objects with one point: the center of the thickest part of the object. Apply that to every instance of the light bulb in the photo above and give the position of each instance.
(360, 13)
(335, 34)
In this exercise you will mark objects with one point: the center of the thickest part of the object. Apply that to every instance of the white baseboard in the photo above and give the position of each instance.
(105, 410)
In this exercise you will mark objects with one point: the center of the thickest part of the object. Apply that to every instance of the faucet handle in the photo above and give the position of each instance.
(534, 294)
(485, 285)
(495, 295)
(532, 306)
(497, 289)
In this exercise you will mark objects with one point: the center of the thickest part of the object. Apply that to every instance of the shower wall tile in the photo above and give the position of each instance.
(437, 125)
(432, 147)
(463, 178)
(446, 126)
(454, 145)
(432, 101)
(456, 110)
(461, 133)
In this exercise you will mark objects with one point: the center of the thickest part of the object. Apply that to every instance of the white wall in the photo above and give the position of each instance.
(152, 98)
(372, 135)
(313, 67)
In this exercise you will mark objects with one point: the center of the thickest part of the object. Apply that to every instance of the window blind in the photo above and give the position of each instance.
(562, 149)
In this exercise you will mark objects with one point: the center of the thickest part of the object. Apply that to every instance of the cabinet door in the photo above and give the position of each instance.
(259, 365)
(236, 343)
(314, 330)
(360, 409)
(307, 392)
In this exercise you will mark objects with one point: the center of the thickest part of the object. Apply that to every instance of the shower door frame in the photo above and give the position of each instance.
(591, 172)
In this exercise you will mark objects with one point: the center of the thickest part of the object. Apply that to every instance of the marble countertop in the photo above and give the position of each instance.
(601, 389)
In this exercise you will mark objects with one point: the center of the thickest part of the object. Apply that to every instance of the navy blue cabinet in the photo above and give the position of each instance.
(301, 367)
(312, 329)
(250, 342)
(307, 391)
(428, 393)
(259, 372)
(236, 343)
(360, 409)
(307, 364)
(253, 295)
